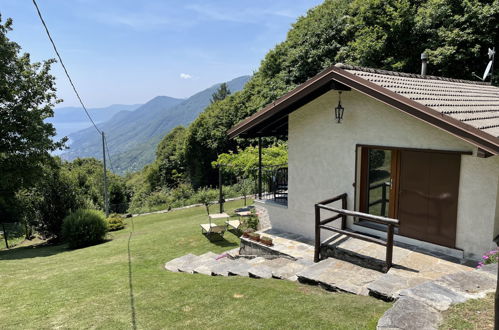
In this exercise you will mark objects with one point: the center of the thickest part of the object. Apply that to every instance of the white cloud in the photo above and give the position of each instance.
(185, 76)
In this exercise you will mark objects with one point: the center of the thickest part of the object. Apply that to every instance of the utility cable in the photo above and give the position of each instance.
(108, 154)
(63, 66)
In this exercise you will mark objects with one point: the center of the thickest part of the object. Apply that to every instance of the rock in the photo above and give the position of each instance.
(387, 286)
(260, 271)
(410, 314)
(434, 295)
(472, 284)
(489, 269)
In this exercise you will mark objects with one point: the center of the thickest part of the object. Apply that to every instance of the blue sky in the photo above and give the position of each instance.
(122, 51)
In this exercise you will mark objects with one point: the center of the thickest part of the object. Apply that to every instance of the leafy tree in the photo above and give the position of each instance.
(27, 98)
(221, 93)
(244, 163)
(50, 200)
(206, 197)
(170, 160)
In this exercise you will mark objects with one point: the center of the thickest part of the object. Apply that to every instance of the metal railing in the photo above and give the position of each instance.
(275, 184)
(342, 214)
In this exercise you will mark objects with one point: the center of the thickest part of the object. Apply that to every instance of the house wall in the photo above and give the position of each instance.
(322, 164)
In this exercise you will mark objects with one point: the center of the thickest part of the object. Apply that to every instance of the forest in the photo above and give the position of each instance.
(38, 190)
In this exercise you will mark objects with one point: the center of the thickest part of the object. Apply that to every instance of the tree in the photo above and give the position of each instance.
(170, 160)
(206, 197)
(221, 93)
(27, 98)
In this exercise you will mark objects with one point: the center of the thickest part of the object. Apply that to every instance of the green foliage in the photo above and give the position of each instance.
(251, 221)
(115, 222)
(168, 169)
(376, 158)
(27, 98)
(84, 228)
(244, 162)
(222, 92)
(206, 197)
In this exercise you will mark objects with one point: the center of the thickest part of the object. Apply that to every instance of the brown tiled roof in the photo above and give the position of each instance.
(466, 109)
(471, 102)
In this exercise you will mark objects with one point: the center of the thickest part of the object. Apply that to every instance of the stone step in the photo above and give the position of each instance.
(175, 264)
(189, 267)
(387, 286)
(238, 267)
(212, 267)
(266, 268)
(338, 275)
(289, 271)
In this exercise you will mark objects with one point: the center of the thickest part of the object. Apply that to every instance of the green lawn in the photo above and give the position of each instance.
(53, 287)
(474, 314)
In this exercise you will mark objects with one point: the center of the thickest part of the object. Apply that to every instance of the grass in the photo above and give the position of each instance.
(105, 287)
(473, 314)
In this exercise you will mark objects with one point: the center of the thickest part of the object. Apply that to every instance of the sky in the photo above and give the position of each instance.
(129, 51)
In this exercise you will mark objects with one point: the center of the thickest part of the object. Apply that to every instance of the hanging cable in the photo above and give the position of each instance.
(63, 66)
(109, 155)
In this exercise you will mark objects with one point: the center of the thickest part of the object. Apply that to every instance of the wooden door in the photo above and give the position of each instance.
(428, 188)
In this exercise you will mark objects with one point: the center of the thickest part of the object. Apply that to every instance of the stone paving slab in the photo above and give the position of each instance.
(175, 264)
(189, 267)
(410, 314)
(473, 284)
(434, 295)
(387, 286)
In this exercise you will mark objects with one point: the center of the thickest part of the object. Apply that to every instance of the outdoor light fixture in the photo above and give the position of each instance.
(338, 111)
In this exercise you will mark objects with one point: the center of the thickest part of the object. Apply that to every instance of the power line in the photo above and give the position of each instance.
(63, 66)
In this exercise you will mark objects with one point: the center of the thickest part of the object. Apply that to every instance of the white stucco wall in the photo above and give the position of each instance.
(322, 164)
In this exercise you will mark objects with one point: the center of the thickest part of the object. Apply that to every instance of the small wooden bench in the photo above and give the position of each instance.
(212, 228)
(233, 224)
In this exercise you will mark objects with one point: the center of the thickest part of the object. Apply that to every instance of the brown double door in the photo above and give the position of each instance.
(420, 188)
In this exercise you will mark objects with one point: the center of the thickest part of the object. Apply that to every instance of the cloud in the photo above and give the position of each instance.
(185, 76)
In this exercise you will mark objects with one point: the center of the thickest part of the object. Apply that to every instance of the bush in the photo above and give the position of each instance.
(84, 228)
(115, 222)
(491, 257)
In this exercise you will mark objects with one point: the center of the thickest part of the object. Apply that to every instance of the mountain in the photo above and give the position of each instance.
(133, 135)
(68, 120)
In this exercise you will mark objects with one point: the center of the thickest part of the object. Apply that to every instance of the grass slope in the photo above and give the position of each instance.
(53, 287)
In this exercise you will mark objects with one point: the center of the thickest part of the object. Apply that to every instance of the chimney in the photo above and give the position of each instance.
(424, 63)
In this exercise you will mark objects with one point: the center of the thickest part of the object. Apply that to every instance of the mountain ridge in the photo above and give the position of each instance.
(133, 136)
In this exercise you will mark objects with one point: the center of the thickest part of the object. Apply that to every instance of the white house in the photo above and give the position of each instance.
(420, 149)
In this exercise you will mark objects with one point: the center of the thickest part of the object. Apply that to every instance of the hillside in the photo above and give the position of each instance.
(68, 120)
(133, 136)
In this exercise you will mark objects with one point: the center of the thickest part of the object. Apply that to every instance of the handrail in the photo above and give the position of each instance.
(365, 216)
(343, 213)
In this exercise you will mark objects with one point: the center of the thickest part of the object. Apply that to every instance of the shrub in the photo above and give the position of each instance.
(84, 227)
(491, 257)
(252, 220)
(115, 222)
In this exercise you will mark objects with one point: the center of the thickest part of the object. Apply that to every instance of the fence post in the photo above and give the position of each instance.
(317, 233)
(389, 247)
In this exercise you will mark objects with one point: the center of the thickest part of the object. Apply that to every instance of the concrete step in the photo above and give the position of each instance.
(337, 275)
(175, 264)
(189, 267)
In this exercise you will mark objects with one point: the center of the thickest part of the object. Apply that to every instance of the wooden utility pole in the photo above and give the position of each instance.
(106, 198)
